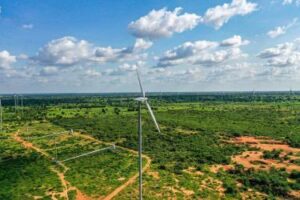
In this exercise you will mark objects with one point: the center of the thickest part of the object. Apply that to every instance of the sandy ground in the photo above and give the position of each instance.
(265, 144)
(254, 158)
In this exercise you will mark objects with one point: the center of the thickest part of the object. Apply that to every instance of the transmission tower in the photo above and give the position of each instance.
(1, 119)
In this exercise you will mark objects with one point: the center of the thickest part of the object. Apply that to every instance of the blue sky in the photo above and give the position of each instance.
(180, 45)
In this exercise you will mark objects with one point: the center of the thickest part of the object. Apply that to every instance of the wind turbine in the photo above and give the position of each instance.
(142, 100)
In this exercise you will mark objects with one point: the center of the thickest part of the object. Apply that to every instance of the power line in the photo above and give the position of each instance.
(89, 153)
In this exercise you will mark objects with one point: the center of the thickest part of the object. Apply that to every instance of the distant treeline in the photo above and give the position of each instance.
(91, 100)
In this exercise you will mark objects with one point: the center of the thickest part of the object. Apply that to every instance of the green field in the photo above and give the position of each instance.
(196, 130)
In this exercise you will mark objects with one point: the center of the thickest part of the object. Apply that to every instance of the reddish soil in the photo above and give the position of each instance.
(265, 144)
(254, 159)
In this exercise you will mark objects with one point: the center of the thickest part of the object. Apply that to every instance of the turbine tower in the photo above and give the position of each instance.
(142, 100)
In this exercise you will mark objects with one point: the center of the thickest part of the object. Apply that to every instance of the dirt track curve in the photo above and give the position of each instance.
(66, 185)
(130, 180)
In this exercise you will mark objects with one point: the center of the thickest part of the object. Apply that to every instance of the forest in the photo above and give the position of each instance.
(196, 155)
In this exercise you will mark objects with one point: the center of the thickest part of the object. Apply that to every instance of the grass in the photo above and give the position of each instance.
(100, 174)
(27, 176)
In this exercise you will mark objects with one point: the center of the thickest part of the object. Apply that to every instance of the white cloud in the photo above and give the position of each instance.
(280, 50)
(188, 49)
(163, 23)
(280, 73)
(6, 60)
(281, 30)
(123, 69)
(109, 54)
(220, 15)
(232, 72)
(64, 51)
(49, 71)
(235, 41)
(17, 72)
(69, 51)
(276, 32)
(68, 55)
(217, 57)
(221, 73)
(23, 56)
(187, 75)
(92, 73)
(141, 44)
(204, 52)
(27, 26)
(282, 55)
(127, 67)
(288, 2)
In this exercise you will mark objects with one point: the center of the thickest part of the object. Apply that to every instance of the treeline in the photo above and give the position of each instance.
(123, 99)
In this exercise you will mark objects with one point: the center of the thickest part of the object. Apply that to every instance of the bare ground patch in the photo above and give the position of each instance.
(254, 158)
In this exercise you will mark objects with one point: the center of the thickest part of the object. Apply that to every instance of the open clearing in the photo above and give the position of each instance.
(254, 158)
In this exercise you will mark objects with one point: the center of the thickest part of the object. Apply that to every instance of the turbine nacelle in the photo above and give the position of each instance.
(141, 99)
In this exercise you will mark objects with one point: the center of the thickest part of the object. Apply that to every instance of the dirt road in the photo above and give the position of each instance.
(61, 175)
(130, 180)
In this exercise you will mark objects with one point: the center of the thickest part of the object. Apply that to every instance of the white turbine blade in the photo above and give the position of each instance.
(140, 82)
(152, 116)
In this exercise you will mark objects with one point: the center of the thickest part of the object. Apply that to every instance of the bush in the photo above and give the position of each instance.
(230, 187)
(272, 182)
(274, 154)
